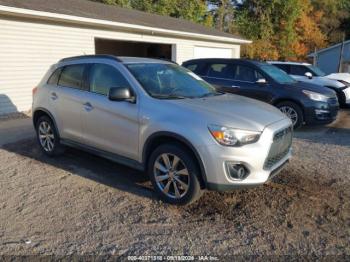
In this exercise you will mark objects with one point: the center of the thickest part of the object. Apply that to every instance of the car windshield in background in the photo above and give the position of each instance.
(277, 74)
(170, 81)
(316, 71)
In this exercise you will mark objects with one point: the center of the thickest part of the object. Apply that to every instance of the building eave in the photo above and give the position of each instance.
(27, 13)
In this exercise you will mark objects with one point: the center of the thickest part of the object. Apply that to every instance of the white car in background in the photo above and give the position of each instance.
(304, 72)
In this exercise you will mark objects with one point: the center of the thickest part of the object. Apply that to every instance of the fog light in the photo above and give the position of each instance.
(236, 171)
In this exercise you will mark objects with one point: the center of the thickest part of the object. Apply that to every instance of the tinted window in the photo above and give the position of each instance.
(72, 76)
(192, 67)
(298, 70)
(219, 70)
(316, 71)
(53, 80)
(285, 68)
(103, 77)
(246, 73)
(277, 74)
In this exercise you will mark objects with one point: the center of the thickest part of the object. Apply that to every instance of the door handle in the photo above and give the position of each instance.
(236, 86)
(88, 107)
(54, 96)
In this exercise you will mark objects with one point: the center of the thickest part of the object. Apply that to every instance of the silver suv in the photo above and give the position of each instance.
(156, 116)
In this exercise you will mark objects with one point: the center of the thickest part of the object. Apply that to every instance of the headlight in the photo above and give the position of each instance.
(344, 83)
(316, 96)
(233, 137)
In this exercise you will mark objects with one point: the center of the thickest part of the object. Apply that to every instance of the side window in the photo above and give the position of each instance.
(72, 76)
(247, 74)
(103, 77)
(219, 70)
(53, 79)
(298, 70)
(284, 67)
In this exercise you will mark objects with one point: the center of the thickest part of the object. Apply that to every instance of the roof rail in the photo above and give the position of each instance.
(111, 57)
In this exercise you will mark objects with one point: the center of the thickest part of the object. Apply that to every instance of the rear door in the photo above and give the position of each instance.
(245, 79)
(67, 100)
(110, 125)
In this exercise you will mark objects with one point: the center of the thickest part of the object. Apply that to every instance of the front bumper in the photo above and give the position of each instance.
(252, 156)
(319, 113)
(346, 92)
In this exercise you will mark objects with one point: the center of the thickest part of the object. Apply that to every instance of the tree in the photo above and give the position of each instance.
(335, 18)
(192, 10)
(223, 14)
(121, 3)
(281, 29)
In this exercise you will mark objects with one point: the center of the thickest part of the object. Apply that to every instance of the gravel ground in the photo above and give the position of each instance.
(82, 204)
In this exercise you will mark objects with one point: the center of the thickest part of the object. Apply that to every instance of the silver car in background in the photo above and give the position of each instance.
(308, 73)
(156, 116)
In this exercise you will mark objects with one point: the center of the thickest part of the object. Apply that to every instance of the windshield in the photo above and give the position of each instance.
(277, 74)
(170, 81)
(316, 71)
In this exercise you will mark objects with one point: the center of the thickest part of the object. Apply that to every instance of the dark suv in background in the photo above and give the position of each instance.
(303, 103)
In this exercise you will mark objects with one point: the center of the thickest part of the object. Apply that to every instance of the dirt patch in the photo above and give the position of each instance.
(82, 204)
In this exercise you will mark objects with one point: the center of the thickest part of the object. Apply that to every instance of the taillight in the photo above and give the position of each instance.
(34, 90)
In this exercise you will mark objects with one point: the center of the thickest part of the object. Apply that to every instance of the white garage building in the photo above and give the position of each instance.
(34, 34)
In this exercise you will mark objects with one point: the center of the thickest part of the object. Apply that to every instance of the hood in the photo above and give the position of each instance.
(234, 111)
(320, 80)
(312, 87)
(340, 76)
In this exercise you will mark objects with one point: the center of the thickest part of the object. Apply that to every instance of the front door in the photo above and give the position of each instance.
(246, 78)
(110, 126)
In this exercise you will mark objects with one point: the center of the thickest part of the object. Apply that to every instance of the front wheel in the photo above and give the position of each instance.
(174, 175)
(293, 112)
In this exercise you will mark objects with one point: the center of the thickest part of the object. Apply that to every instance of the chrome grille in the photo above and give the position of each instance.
(282, 141)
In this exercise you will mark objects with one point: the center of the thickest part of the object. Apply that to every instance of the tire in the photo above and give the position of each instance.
(46, 131)
(164, 182)
(293, 111)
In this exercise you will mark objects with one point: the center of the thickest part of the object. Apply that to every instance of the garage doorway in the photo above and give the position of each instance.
(130, 48)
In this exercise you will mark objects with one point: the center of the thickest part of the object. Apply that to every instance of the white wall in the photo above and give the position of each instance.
(28, 48)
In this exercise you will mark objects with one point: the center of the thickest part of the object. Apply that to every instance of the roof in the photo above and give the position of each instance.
(120, 59)
(94, 10)
(328, 48)
(226, 60)
(288, 63)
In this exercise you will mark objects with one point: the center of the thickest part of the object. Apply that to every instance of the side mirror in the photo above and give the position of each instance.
(308, 75)
(261, 81)
(121, 94)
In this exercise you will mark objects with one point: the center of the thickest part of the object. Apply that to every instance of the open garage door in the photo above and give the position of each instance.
(130, 48)
(211, 52)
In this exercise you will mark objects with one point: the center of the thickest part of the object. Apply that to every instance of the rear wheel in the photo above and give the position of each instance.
(48, 137)
(294, 113)
(174, 175)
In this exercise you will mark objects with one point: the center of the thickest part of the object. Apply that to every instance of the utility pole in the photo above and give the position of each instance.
(315, 57)
(341, 55)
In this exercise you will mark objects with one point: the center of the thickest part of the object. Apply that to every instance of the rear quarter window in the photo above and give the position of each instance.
(72, 76)
(53, 79)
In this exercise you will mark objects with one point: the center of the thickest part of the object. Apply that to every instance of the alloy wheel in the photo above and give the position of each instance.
(291, 113)
(46, 136)
(171, 176)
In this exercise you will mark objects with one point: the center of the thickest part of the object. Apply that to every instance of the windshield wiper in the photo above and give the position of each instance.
(211, 94)
(169, 96)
